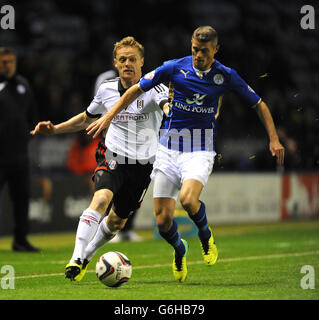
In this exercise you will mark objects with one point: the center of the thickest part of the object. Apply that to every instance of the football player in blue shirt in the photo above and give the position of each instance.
(185, 155)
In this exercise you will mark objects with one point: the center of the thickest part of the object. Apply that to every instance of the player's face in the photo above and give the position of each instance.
(203, 54)
(8, 65)
(128, 62)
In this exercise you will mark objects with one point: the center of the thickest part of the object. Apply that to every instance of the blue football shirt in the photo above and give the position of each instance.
(195, 99)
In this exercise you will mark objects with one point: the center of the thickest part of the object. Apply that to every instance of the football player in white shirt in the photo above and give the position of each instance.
(125, 162)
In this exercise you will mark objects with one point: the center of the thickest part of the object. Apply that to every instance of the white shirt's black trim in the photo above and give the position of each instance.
(162, 102)
(159, 88)
(90, 115)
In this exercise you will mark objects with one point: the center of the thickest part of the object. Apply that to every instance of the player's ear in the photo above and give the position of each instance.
(142, 62)
(115, 63)
(217, 48)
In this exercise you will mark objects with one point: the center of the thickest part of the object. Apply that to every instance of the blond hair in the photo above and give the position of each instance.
(128, 42)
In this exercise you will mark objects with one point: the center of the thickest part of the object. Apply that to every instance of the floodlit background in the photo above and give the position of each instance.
(64, 45)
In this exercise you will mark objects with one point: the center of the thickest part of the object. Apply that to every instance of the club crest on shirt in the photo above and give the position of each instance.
(218, 78)
(112, 164)
(140, 104)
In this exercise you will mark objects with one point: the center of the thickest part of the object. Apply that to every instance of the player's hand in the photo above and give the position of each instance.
(277, 150)
(166, 109)
(98, 126)
(44, 127)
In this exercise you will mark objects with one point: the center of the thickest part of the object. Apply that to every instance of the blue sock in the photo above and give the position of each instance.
(200, 219)
(173, 238)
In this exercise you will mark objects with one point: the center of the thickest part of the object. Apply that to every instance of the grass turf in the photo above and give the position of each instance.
(256, 262)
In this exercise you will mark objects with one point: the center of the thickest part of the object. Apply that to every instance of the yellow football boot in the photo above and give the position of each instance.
(75, 270)
(179, 265)
(209, 250)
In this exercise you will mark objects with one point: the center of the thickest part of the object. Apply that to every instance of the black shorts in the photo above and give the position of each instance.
(128, 182)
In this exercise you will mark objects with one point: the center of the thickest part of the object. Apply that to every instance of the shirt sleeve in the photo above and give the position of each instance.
(239, 86)
(161, 96)
(157, 76)
(96, 108)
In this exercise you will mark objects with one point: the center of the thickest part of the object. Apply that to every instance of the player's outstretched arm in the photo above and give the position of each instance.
(76, 123)
(104, 122)
(275, 147)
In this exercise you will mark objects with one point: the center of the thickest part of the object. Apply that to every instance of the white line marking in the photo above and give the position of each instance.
(271, 256)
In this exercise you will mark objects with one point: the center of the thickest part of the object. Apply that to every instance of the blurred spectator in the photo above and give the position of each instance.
(18, 116)
(81, 157)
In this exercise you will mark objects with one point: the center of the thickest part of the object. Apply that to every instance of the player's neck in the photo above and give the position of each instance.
(207, 69)
(127, 83)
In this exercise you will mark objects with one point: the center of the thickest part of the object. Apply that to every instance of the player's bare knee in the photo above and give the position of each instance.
(114, 222)
(114, 226)
(188, 202)
(163, 221)
(101, 204)
(119, 224)
(101, 200)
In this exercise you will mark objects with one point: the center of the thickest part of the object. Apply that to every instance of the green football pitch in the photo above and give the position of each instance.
(256, 262)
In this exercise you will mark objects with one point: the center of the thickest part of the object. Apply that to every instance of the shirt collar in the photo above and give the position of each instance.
(121, 88)
(200, 73)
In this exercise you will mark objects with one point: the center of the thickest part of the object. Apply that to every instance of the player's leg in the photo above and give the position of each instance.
(127, 199)
(106, 184)
(165, 194)
(89, 221)
(107, 229)
(194, 179)
(128, 233)
(87, 228)
(134, 191)
(112, 224)
(189, 197)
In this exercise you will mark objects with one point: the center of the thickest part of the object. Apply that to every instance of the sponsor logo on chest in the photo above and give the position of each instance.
(125, 117)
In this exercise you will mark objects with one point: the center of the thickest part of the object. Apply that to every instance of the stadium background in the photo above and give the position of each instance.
(64, 45)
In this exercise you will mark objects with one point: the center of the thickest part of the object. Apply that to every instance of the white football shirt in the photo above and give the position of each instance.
(134, 132)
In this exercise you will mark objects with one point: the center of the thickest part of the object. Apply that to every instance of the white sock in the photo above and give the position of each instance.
(102, 236)
(88, 224)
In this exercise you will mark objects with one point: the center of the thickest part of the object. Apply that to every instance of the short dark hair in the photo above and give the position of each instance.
(7, 50)
(206, 34)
